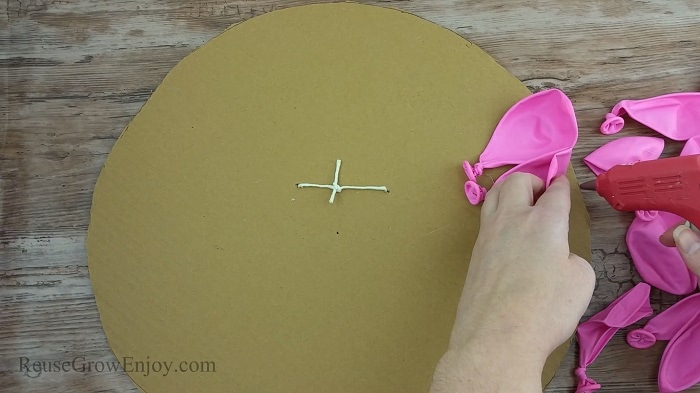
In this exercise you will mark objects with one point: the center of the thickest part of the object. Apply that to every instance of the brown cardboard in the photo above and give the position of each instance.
(201, 248)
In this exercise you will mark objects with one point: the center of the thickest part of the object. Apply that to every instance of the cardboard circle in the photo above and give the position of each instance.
(202, 250)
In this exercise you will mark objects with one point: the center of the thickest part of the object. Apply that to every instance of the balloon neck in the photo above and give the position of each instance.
(585, 384)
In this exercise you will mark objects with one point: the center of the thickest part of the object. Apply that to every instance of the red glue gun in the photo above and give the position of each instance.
(668, 184)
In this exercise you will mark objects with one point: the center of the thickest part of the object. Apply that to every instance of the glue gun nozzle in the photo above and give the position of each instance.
(589, 185)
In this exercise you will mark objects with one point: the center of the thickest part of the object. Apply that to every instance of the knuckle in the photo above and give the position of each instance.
(519, 177)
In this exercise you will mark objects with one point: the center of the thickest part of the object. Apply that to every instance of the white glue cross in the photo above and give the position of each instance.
(337, 187)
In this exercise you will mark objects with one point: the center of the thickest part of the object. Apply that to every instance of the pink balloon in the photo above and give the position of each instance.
(680, 363)
(667, 324)
(627, 150)
(537, 134)
(597, 331)
(676, 116)
(659, 265)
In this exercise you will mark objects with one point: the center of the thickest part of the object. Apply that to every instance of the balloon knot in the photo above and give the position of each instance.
(640, 339)
(473, 171)
(646, 215)
(612, 124)
(475, 193)
(585, 384)
(478, 169)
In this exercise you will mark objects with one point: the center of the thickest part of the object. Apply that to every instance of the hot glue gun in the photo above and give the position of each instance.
(668, 184)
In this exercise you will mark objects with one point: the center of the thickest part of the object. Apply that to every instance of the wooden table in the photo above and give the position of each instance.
(75, 72)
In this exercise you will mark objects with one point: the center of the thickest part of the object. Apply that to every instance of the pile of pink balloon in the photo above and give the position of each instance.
(676, 116)
(537, 135)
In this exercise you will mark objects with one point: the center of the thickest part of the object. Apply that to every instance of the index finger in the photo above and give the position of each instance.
(557, 197)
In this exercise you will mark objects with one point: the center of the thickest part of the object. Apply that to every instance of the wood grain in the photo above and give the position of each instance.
(74, 72)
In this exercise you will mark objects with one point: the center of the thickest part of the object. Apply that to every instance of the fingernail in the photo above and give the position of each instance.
(678, 230)
(686, 239)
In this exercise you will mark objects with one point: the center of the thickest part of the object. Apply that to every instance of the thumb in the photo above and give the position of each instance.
(688, 244)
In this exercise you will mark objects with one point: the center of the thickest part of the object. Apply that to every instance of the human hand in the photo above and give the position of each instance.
(524, 294)
(688, 243)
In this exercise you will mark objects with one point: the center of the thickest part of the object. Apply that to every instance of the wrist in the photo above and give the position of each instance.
(514, 353)
(489, 366)
(511, 341)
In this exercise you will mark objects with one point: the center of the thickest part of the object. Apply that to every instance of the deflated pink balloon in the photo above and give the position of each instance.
(537, 134)
(692, 146)
(627, 150)
(667, 324)
(659, 265)
(597, 331)
(680, 363)
(676, 116)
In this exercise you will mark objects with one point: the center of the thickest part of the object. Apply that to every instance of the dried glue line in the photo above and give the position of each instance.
(338, 188)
